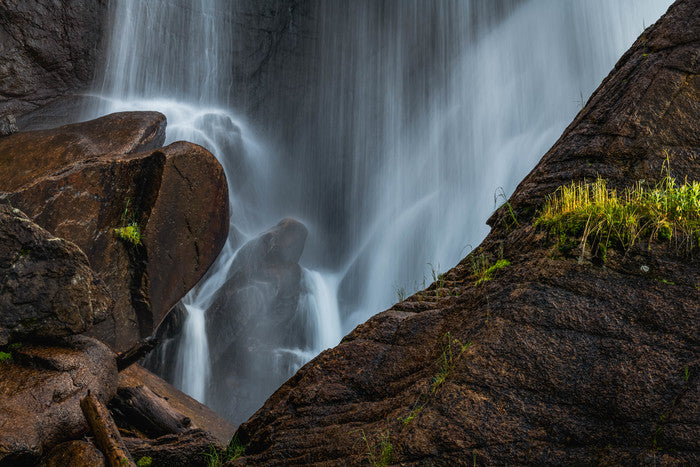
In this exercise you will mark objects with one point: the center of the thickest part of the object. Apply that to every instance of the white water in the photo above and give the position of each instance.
(414, 114)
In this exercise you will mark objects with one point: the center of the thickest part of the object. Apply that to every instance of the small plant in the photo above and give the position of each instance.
(412, 414)
(234, 450)
(5, 356)
(501, 194)
(145, 461)
(483, 270)
(447, 358)
(594, 216)
(130, 230)
(379, 453)
(686, 373)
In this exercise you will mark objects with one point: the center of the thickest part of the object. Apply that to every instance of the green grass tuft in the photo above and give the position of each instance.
(590, 214)
(484, 271)
(5, 356)
(379, 453)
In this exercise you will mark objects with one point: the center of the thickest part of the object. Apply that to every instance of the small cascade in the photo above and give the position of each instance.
(193, 355)
(322, 303)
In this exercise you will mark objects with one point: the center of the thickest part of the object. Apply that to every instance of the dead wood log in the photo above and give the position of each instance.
(139, 408)
(136, 353)
(107, 435)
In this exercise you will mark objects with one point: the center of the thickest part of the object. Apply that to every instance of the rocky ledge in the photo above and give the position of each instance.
(557, 359)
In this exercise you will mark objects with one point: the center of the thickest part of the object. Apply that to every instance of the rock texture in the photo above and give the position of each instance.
(40, 392)
(553, 361)
(48, 48)
(47, 288)
(82, 181)
(78, 453)
(189, 449)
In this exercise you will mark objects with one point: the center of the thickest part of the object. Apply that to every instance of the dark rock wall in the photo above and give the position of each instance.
(47, 48)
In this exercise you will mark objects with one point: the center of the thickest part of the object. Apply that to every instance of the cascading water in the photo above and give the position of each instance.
(389, 147)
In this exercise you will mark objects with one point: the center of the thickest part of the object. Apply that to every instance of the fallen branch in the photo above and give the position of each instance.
(136, 353)
(107, 436)
(142, 409)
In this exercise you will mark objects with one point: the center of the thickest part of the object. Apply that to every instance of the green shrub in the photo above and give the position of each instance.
(5, 356)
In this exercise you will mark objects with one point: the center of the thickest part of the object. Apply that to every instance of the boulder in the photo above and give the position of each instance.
(49, 48)
(78, 453)
(29, 156)
(84, 180)
(40, 393)
(48, 289)
(554, 361)
(252, 316)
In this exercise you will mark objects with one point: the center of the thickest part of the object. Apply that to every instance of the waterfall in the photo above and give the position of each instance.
(385, 126)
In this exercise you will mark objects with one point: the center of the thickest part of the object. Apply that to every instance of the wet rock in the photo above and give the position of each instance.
(552, 362)
(253, 316)
(48, 48)
(84, 180)
(40, 393)
(78, 453)
(188, 449)
(8, 125)
(47, 287)
(29, 156)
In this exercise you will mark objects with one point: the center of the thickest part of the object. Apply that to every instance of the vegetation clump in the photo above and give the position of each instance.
(379, 453)
(5, 356)
(591, 214)
(483, 270)
(233, 451)
(452, 350)
(129, 231)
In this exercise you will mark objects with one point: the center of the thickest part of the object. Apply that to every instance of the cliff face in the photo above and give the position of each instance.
(47, 48)
(555, 360)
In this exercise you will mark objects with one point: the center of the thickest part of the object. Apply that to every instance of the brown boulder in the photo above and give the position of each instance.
(40, 393)
(47, 288)
(177, 195)
(552, 362)
(28, 156)
(74, 453)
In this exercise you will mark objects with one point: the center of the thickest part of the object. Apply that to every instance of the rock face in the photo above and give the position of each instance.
(48, 289)
(82, 181)
(553, 361)
(48, 48)
(40, 390)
